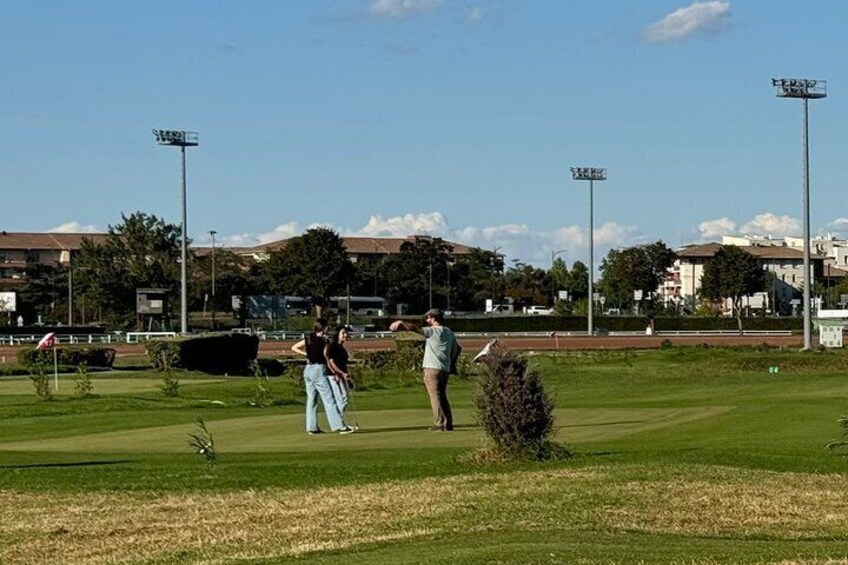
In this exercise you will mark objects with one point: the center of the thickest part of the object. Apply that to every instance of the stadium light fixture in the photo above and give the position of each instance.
(590, 174)
(806, 90)
(181, 139)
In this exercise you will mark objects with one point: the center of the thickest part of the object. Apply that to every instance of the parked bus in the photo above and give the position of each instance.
(360, 305)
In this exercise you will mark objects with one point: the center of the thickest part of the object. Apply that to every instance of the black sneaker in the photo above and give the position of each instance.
(315, 432)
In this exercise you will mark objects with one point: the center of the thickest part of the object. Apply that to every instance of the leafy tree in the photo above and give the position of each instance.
(578, 281)
(314, 265)
(558, 277)
(732, 273)
(141, 252)
(44, 294)
(641, 268)
(409, 273)
(527, 285)
(232, 278)
(475, 277)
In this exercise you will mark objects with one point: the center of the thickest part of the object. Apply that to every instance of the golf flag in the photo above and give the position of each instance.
(47, 342)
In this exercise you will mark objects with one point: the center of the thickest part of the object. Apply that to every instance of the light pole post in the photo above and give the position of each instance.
(212, 233)
(181, 139)
(590, 174)
(70, 289)
(804, 89)
(430, 286)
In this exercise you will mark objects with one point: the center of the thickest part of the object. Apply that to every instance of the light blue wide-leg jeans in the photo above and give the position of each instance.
(317, 383)
(340, 393)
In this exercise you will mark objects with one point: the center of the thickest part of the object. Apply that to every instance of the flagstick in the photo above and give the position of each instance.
(55, 369)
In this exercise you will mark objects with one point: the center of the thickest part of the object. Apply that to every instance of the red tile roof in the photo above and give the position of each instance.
(367, 245)
(52, 241)
(707, 250)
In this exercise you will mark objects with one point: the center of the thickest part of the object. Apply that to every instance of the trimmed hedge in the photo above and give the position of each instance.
(611, 323)
(216, 354)
(70, 356)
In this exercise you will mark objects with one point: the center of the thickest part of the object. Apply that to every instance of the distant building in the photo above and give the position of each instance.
(785, 263)
(20, 249)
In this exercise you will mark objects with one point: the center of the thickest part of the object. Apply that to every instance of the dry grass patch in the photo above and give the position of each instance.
(117, 527)
(210, 528)
(739, 503)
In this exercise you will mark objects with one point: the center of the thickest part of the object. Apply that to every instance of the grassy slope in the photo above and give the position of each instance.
(632, 415)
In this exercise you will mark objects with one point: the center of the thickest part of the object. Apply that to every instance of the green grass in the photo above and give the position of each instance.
(676, 420)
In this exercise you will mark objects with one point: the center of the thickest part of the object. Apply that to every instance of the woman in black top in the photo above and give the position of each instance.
(337, 361)
(316, 378)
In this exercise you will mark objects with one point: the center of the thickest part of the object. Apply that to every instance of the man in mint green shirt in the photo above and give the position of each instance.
(440, 348)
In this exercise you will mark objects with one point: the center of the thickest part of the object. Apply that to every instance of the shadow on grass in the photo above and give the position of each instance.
(412, 429)
(74, 464)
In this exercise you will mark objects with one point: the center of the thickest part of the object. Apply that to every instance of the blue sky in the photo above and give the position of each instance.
(457, 118)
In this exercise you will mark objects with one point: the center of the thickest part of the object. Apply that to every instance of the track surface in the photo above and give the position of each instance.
(283, 348)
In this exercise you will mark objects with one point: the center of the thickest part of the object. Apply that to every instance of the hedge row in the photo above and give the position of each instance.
(611, 323)
(216, 354)
(70, 356)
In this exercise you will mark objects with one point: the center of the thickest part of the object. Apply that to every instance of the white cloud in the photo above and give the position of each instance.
(514, 241)
(771, 224)
(432, 223)
(401, 9)
(283, 231)
(711, 229)
(75, 227)
(697, 18)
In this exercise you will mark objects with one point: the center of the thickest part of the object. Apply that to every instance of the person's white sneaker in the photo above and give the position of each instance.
(347, 430)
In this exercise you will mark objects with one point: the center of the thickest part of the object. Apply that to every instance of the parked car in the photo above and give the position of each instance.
(539, 310)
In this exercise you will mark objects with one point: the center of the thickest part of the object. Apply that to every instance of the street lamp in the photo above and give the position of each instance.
(590, 174)
(212, 233)
(804, 89)
(181, 139)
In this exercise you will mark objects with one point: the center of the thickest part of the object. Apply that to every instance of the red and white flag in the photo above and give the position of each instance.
(46, 342)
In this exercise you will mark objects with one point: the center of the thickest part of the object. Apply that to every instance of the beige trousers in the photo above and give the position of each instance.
(436, 383)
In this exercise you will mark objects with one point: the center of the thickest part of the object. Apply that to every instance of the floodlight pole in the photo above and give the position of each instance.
(591, 174)
(212, 233)
(181, 139)
(804, 89)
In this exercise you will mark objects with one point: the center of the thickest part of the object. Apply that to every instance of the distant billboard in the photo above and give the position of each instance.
(8, 302)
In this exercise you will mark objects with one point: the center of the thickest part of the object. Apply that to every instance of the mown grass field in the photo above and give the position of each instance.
(684, 455)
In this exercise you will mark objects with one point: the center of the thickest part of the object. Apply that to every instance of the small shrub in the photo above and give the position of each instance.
(41, 380)
(843, 441)
(170, 385)
(261, 395)
(514, 408)
(666, 344)
(83, 386)
(163, 354)
(203, 444)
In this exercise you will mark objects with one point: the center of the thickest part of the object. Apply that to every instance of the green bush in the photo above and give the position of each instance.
(611, 323)
(72, 356)
(514, 409)
(216, 354)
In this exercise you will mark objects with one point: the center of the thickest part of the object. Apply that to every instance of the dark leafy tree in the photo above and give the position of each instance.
(410, 272)
(44, 294)
(642, 268)
(732, 273)
(527, 285)
(314, 265)
(141, 252)
(232, 278)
